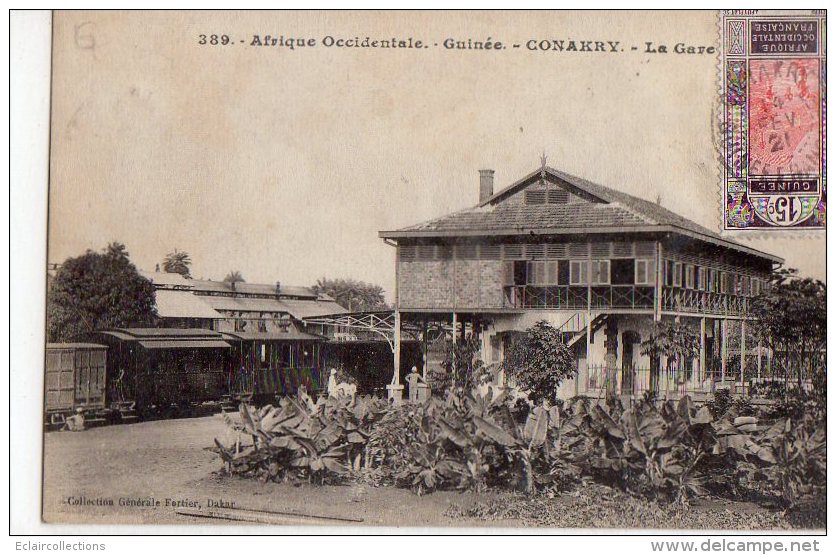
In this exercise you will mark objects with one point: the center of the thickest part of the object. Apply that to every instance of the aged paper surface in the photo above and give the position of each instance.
(295, 146)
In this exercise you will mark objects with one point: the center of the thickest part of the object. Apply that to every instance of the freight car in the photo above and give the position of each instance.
(75, 382)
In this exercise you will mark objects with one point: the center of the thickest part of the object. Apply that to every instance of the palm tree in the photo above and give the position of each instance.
(234, 277)
(177, 262)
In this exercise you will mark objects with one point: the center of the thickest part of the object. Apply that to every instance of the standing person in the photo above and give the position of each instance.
(412, 380)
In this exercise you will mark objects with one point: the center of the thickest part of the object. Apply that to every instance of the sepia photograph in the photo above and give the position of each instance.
(536, 271)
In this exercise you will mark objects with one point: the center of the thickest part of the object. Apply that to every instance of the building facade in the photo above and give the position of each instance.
(602, 266)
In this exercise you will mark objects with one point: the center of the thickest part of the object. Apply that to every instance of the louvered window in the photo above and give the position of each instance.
(426, 252)
(556, 251)
(537, 251)
(490, 252)
(407, 252)
(511, 252)
(578, 249)
(622, 249)
(645, 248)
(535, 197)
(445, 252)
(557, 196)
(600, 249)
(701, 278)
(465, 252)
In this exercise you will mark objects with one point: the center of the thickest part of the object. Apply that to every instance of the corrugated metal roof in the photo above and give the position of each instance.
(244, 304)
(162, 333)
(62, 346)
(183, 304)
(292, 335)
(306, 309)
(186, 344)
(165, 278)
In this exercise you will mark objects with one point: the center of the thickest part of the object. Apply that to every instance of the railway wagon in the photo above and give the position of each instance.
(160, 370)
(75, 381)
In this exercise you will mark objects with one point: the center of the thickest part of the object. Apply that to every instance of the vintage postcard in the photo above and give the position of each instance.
(437, 270)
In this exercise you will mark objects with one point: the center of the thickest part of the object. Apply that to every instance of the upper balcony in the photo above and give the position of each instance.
(624, 297)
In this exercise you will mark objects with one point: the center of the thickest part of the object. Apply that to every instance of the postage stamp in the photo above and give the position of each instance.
(773, 102)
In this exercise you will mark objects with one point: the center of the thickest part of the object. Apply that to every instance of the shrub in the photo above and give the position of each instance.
(538, 361)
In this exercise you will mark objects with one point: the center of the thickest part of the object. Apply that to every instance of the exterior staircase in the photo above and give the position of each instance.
(574, 328)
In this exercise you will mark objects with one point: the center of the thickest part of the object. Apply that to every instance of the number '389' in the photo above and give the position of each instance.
(213, 40)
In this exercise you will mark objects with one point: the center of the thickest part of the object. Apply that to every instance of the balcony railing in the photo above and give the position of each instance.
(579, 296)
(703, 302)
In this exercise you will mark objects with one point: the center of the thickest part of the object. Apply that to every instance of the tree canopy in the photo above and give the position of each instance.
(96, 291)
(353, 295)
(539, 361)
(791, 318)
(178, 262)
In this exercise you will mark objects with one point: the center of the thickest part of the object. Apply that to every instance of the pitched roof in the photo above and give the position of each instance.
(608, 211)
(307, 309)
(182, 304)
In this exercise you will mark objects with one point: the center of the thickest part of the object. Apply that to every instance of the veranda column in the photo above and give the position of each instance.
(424, 349)
(395, 388)
(702, 349)
(724, 339)
(611, 345)
(742, 355)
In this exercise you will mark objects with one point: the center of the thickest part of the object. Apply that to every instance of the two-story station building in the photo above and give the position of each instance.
(597, 263)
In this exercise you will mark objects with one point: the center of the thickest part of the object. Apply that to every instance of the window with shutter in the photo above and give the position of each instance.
(507, 273)
(552, 272)
(677, 274)
(600, 272)
(701, 278)
(577, 272)
(641, 272)
(689, 276)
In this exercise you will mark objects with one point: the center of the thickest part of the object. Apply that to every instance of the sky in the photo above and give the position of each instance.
(284, 164)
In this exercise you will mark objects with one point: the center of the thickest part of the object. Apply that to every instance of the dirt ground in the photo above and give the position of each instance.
(166, 460)
(141, 473)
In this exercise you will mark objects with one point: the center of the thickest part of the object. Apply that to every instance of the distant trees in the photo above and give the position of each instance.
(96, 291)
(791, 318)
(353, 295)
(178, 262)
